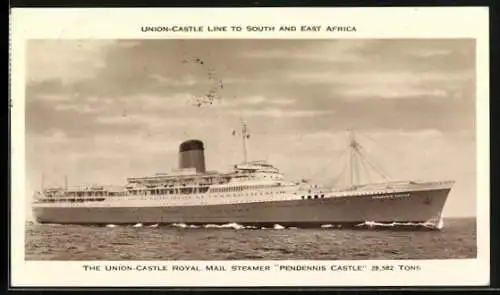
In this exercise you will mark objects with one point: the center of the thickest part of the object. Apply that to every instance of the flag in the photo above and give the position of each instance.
(234, 132)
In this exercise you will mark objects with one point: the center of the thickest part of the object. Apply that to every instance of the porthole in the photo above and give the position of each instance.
(315, 196)
(308, 197)
(302, 197)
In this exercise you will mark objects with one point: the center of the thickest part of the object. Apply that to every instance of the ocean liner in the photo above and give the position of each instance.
(254, 193)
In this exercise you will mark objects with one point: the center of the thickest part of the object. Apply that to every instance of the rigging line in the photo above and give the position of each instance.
(336, 180)
(359, 163)
(352, 162)
(361, 151)
(378, 143)
(355, 171)
(364, 164)
(379, 170)
(376, 167)
(328, 163)
(339, 176)
(328, 131)
(349, 172)
(403, 162)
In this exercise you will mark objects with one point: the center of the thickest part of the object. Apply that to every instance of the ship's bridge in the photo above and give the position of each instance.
(256, 166)
(256, 170)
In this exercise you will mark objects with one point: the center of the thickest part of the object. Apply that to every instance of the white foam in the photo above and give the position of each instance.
(326, 226)
(393, 224)
(138, 225)
(440, 224)
(227, 225)
(232, 225)
(154, 225)
(181, 225)
(211, 226)
(110, 225)
(278, 226)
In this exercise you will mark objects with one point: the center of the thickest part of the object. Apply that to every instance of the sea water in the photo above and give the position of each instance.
(235, 242)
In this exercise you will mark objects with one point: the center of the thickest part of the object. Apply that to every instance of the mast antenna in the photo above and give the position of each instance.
(244, 136)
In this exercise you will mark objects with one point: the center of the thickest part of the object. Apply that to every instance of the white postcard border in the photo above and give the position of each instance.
(451, 22)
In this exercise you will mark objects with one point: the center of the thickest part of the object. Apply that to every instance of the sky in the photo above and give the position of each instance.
(99, 111)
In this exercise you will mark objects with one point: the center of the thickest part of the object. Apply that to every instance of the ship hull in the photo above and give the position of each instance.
(414, 207)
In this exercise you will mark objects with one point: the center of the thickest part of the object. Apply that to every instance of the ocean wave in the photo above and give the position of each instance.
(429, 225)
(68, 242)
(181, 225)
(435, 224)
(232, 225)
(278, 226)
(227, 225)
(327, 226)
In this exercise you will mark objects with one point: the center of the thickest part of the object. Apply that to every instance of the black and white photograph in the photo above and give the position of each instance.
(234, 148)
(248, 149)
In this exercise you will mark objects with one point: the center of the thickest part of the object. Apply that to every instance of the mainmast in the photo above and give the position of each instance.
(351, 173)
(357, 157)
(354, 149)
(245, 135)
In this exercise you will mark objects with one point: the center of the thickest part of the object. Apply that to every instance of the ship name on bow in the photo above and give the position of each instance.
(392, 196)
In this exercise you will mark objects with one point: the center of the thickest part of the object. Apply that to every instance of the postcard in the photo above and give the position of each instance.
(250, 147)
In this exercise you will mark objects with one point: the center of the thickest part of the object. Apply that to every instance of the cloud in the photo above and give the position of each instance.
(431, 53)
(53, 97)
(388, 85)
(149, 122)
(158, 102)
(416, 134)
(281, 113)
(255, 100)
(56, 136)
(408, 77)
(305, 56)
(102, 110)
(81, 108)
(394, 92)
(321, 51)
(187, 80)
(100, 146)
(59, 59)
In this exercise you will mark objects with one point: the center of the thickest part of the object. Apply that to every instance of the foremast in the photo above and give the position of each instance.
(245, 135)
